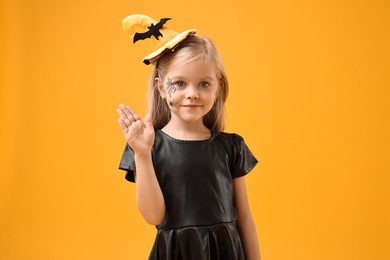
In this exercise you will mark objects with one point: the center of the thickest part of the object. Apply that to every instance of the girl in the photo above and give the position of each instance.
(189, 174)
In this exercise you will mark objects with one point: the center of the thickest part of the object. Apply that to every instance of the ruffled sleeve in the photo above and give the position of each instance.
(242, 161)
(127, 163)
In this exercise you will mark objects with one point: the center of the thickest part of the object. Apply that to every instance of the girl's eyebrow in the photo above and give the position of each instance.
(209, 78)
(179, 77)
(176, 77)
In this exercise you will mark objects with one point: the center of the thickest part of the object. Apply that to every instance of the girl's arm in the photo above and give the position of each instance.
(149, 198)
(140, 137)
(245, 223)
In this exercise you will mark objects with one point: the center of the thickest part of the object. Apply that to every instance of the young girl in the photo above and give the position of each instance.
(189, 174)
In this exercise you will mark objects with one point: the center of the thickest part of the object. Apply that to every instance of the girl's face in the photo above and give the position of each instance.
(190, 89)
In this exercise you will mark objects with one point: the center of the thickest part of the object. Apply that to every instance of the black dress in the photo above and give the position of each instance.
(196, 180)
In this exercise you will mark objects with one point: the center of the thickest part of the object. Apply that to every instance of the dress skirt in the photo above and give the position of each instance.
(217, 242)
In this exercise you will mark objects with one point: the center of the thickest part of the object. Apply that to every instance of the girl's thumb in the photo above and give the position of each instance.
(148, 121)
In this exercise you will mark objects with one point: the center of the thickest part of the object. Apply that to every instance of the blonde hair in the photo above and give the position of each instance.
(191, 48)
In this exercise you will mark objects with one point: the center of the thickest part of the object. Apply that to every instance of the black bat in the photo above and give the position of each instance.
(154, 30)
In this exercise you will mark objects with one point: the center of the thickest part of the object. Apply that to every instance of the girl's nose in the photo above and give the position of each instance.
(192, 92)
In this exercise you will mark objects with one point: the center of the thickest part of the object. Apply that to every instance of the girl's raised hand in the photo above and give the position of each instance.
(139, 135)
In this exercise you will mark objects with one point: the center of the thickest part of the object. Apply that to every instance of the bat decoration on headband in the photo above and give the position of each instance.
(154, 30)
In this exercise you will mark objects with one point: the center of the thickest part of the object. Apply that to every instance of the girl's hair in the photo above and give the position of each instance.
(191, 48)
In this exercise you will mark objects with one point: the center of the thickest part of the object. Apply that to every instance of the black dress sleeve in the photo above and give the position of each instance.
(127, 163)
(242, 160)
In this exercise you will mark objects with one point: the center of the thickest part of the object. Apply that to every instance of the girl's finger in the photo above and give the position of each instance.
(133, 113)
(128, 112)
(123, 126)
(127, 122)
(148, 121)
(122, 114)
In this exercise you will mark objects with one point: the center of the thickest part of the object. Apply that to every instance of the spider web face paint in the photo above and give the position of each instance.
(171, 89)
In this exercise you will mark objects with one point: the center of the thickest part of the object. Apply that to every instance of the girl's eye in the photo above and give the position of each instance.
(180, 83)
(204, 84)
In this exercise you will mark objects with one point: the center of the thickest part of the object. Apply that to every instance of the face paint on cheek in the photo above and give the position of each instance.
(171, 89)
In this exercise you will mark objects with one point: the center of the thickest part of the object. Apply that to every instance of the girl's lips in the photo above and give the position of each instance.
(191, 105)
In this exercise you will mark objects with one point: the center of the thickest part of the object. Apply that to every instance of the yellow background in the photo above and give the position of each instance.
(309, 93)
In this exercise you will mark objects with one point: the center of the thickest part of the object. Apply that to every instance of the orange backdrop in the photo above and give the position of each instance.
(309, 93)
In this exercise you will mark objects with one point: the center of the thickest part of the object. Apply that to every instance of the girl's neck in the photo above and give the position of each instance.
(187, 131)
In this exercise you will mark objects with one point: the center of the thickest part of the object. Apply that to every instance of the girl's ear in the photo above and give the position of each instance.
(160, 87)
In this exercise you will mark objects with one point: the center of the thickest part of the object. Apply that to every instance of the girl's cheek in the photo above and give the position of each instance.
(171, 90)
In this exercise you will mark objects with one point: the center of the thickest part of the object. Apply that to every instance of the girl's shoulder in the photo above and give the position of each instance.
(231, 141)
(232, 138)
(241, 159)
